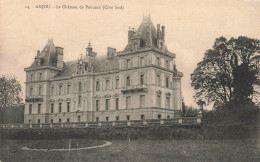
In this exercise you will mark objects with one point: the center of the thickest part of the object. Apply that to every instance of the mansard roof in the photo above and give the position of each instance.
(99, 65)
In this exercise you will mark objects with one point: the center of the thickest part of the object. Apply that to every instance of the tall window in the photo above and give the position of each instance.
(31, 91)
(167, 102)
(30, 109)
(158, 61)
(167, 82)
(167, 64)
(40, 76)
(80, 87)
(97, 105)
(128, 81)
(158, 79)
(128, 102)
(39, 108)
(141, 79)
(142, 117)
(159, 116)
(52, 90)
(40, 91)
(128, 63)
(59, 120)
(128, 117)
(141, 61)
(97, 86)
(117, 103)
(107, 118)
(142, 100)
(60, 89)
(31, 77)
(97, 119)
(68, 88)
(52, 107)
(117, 83)
(68, 106)
(78, 118)
(117, 118)
(107, 84)
(39, 121)
(80, 100)
(60, 106)
(107, 104)
(158, 100)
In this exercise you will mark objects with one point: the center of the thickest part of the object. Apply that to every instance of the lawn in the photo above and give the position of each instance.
(137, 150)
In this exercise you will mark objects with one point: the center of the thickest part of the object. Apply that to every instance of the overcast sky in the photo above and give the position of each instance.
(191, 28)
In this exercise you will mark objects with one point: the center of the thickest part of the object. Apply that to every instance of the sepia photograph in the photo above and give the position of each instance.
(130, 80)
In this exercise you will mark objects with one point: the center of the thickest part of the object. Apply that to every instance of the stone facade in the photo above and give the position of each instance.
(141, 82)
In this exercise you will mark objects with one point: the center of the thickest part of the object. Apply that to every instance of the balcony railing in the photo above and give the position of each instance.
(125, 123)
(34, 99)
(134, 88)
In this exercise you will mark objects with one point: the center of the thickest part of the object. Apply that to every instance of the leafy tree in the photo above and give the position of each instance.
(228, 71)
(10, 91)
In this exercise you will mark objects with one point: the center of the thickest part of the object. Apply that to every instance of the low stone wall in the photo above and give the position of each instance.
(234, 131)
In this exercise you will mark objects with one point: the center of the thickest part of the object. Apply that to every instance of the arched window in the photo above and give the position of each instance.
(80, 86)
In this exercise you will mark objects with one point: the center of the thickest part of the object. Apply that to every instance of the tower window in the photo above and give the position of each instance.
(31, 91)
(97, 86)
(128, 63)
(107, 84)
(117, 103)
(128, 81)
(40, 76)
(68, 89)
(97, 105)
(158, 61)
(128, 102)
(117, 83)
(30, 109)
(39, 108)
(158, 79)
(141, 79)
(60, 107)
(60, 89)
(80, 100)
(52, 107)
(167, 82)
(40, 91)
(142, 101)
(80, 87)
(68, 106)
(107, 104)
(141, 61)
(31, 77)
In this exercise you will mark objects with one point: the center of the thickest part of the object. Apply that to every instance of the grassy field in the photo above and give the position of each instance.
(139, 150)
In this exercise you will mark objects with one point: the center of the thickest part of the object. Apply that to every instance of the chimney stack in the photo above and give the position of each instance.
(111, 52)
(130, 33)
(163, 32)
(158, 31)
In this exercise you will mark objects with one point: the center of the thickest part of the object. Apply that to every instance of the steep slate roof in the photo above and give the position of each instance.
(47, 55)
(146, 32)
(100, 65)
